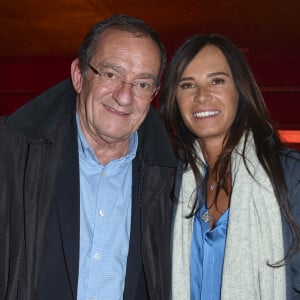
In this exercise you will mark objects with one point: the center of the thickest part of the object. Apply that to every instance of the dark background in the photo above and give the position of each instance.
(39, 39)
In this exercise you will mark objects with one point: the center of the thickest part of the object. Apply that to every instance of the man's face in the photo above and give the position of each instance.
(110, 113)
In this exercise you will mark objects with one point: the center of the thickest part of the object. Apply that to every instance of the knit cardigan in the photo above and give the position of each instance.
(254, 235)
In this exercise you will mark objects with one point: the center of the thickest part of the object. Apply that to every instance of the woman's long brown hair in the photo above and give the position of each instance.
(252, 116)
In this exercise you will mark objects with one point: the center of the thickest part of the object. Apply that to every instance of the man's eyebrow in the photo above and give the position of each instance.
(113, 66)
(120, 69)
(146, 76)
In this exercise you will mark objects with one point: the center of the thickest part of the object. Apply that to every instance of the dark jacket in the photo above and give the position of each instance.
(39, 203)
(291, 167)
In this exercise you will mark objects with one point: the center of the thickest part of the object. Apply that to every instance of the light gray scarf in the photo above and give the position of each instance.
(254, 236)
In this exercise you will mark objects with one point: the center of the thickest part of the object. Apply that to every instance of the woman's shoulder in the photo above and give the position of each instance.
(290, 160)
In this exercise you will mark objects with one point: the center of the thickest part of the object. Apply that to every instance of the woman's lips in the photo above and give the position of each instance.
(204, 114)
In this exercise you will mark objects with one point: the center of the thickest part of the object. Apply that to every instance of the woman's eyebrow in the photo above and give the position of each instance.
(218, 73)
(186, 78)
(209, 76)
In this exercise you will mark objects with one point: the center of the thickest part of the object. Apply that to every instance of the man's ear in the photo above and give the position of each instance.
(76, 75)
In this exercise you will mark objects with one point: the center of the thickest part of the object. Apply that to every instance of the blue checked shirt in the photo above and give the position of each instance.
(105, 218)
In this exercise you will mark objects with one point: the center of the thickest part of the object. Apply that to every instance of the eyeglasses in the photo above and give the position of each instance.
(144, 88)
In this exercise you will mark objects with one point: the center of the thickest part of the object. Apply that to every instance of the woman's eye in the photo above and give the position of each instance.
(218, 81)
(186, 85)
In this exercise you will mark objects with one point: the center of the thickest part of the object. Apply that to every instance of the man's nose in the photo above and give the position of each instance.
(123, 94)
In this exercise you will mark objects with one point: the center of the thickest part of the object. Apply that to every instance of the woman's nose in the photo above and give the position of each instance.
(202, 96)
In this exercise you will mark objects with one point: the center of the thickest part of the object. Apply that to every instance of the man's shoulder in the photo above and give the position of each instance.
(43, 113)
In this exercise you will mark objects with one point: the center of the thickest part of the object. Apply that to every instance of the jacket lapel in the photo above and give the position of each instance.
(68, 207)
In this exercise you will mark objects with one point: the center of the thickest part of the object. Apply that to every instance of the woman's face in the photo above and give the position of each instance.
(207, 97)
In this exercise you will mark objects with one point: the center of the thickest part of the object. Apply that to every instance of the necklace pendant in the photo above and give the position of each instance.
(212, 186)
(206, 217)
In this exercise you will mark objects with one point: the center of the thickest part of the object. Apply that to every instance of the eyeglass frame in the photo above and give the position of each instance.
(156, 86)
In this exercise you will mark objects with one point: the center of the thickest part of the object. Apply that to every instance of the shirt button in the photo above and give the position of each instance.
(104, 173)
(101, 213)
(92, 298)
(96, 256)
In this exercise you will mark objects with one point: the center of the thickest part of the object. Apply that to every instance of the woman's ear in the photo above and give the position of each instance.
(76, 75)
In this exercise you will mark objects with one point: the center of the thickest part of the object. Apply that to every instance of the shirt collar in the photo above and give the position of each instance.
(84, 146)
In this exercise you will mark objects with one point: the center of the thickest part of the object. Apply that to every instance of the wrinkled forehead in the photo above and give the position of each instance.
(130, 51)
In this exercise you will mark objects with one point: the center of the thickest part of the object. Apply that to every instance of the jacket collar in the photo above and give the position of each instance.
(39, 118)
(154, 141)
(43, 116)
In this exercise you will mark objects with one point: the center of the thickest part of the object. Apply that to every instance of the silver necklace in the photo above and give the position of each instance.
(206, 217)
(213, 185)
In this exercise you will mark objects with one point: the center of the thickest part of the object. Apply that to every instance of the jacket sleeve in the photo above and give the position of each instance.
(291, 167)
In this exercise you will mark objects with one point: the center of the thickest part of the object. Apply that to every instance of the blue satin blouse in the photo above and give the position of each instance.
(207, 256)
